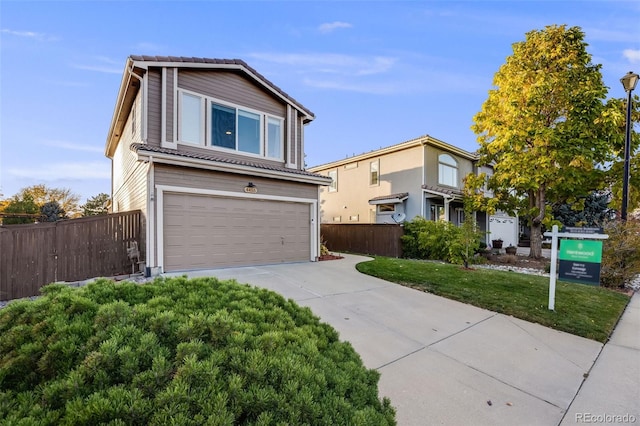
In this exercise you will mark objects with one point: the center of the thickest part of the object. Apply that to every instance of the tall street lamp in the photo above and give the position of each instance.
(629, 82)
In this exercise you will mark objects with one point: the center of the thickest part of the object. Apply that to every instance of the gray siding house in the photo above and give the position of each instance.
(212, 154)
(420, 177)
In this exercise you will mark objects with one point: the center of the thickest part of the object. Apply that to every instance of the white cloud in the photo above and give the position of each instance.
(632, 55)
(329, 27)
(74, 146)
(28, 34)
(330, 63)
(146, 48)
(102, 64)
(352, 86)
(61, 171)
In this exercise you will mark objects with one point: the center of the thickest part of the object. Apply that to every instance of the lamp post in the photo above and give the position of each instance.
(629, 82)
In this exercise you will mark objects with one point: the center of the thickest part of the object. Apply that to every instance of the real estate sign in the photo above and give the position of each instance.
(580, 261)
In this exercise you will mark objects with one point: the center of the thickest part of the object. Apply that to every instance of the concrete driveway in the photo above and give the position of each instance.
(441, 361)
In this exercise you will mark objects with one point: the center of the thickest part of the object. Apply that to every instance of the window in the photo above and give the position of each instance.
(333, 174)
(386, 208)
(274, 137)
(354, 218)
(234, 128)
(374, 176)
(337, 218)
(191, 119)
(229, 127)
(460, 216)
(447, 170)
(437, 212)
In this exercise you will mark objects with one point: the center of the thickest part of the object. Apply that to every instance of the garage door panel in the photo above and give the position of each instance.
(207, 232)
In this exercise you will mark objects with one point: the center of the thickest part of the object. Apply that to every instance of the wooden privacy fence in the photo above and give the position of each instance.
(364, 238)
(34, 255)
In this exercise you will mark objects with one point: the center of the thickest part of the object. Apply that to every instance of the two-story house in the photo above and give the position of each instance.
(419, 177)
(212, 153)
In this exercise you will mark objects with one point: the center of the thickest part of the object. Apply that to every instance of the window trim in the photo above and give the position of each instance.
(453, 165)
(386, 206)
(333, 187)
(205, 134)
(202, 118)
(377, 164)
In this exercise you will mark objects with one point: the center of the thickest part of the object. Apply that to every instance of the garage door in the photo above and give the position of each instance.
(202, 231)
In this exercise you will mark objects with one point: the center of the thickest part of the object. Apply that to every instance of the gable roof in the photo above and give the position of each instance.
(137, 65)
(217, 162)
(419, 141)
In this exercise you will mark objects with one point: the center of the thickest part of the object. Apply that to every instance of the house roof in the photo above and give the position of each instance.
(222, 163)
(191, 62)
(419, 141)
(137, 65)
(392, 198)
(443, 192)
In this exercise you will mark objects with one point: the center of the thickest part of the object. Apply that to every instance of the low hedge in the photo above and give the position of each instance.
(178, 351)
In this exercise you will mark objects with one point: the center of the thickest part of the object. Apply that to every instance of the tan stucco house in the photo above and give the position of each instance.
(420, 177)
(212, 153)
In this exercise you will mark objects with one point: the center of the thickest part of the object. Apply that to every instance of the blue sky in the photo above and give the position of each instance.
(375, 73)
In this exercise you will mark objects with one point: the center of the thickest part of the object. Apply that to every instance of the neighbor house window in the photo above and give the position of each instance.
(354, 218)
(437, 213)
(229, 126)
(191, 119)
(447, 170)
(333, 174)
(386, 208)
(374, 174)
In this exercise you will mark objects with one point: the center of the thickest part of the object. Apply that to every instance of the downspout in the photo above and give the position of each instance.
(151, 222)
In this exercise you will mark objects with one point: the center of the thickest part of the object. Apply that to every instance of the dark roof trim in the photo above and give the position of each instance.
(393, 198)
(191, 62)
(215, 162)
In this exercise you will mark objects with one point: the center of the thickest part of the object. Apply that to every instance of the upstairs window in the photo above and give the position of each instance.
(229, 127)
(333, 174)
(191, 119)
(447, 170)
(374, 174)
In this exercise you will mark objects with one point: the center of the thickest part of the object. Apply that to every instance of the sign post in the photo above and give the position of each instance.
(579, 258)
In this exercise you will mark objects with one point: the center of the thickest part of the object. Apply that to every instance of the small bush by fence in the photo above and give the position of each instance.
(34, 255)
(364, 238)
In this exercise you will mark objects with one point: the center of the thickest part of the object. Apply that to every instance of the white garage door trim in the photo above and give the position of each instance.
(161, 189)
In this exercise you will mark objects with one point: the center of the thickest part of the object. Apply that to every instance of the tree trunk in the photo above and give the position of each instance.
(537, 202)
(536, 241)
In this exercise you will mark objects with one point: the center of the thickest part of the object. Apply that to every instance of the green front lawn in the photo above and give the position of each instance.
(583, 310)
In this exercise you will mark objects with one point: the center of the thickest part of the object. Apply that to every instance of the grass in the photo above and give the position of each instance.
(583, 310)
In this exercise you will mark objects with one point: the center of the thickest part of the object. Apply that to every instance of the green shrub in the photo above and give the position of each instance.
(178, 351)
(437, 240)
(620, 253)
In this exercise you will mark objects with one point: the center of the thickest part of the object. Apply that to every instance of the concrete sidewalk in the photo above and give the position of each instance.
(611, 392)
(445, 362)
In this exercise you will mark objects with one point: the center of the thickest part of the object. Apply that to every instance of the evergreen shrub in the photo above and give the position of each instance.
(178, 351)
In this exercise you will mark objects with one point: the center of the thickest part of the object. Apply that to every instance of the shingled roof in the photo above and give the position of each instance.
(214, 158)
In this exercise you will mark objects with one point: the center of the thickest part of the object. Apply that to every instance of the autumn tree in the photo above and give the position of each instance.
(542, 126)
(20, 210)
(42, 194)
(96, 205)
